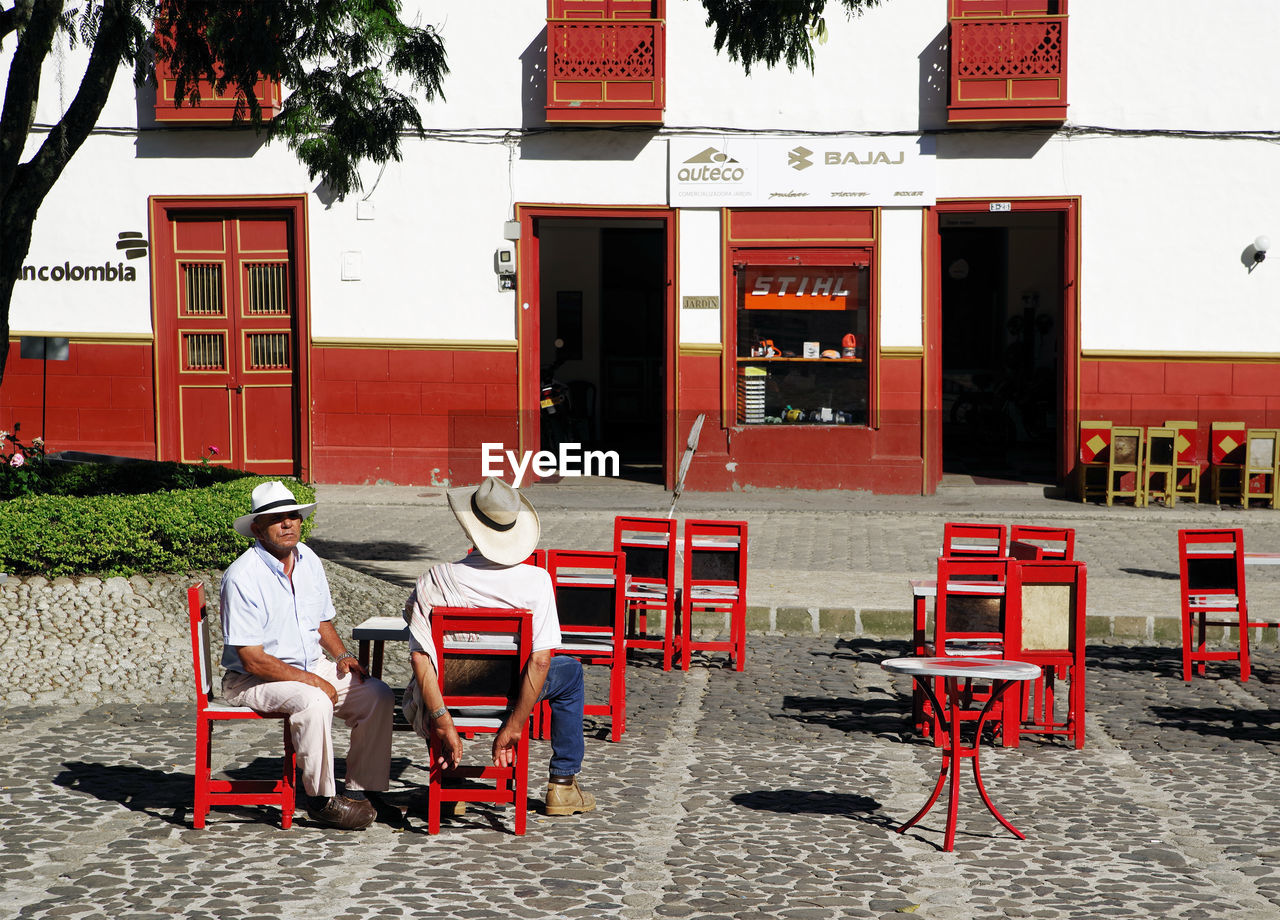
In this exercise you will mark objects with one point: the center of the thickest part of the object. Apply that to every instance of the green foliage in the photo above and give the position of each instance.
(343, 63)
(51, 477)
(174, 531)
(755, 32)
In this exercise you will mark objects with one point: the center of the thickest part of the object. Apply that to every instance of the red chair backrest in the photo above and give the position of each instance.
(538, 557)
(202, 666)
(1053, 542)
(1045, 610)
(590, 587)
(649, 545)
(715, 555)
(485, 670)
(1211, 562)
(970, 601)
(973, 539)
(1186, 444)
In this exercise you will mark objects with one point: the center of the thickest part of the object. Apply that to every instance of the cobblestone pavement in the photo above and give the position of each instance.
(813, 549)
(770, 793)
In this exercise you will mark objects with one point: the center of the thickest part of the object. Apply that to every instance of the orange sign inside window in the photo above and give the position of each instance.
(787, 288)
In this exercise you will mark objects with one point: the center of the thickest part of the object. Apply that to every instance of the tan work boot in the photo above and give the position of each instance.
(568, 799)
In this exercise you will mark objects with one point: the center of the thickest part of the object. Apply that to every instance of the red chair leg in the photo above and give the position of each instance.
(289, 793)
(204, 741)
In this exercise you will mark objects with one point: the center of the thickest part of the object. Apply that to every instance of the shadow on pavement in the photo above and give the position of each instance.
(1257, 725)
(849, 714)
(162, 795)
(813, 802)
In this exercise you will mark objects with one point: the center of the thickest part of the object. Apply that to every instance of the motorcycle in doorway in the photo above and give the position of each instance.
(555, 405)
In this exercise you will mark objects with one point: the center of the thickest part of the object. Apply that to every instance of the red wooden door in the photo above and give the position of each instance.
(230, 297)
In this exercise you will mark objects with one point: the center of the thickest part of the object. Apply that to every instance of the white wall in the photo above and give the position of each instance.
(1165, 219)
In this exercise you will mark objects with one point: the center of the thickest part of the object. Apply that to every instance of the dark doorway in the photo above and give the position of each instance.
(1001, 334)
(603, 335)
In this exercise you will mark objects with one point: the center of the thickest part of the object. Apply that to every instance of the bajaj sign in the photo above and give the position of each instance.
(802, 172)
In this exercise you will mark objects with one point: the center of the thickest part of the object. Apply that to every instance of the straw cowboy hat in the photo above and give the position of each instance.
(501, 523)
(269, 498)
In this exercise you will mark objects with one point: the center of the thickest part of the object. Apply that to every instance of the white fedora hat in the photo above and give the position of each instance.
(501, 523)
(270, 498)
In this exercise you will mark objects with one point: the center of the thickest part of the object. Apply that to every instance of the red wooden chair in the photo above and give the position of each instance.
(1045, 625)
(589, 588)
(538, 557)
(482, 655)
(973, 539)
(1051, 542)
(715, 581)
(210, 792)
(1211, 577)
(649, 546)
(968, 618)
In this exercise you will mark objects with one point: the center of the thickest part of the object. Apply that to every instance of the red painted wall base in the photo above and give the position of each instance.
(100, 400)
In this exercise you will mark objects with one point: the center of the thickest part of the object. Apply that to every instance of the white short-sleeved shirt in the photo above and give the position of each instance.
(487, 584)
(261, 606)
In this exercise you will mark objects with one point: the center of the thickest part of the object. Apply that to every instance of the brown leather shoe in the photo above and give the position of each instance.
(342, 812)
(568, 799)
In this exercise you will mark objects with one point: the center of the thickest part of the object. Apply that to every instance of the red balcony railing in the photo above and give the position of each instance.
(1008, 68)
(605, 71)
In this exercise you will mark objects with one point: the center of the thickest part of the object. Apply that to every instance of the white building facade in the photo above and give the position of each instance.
(939, 251)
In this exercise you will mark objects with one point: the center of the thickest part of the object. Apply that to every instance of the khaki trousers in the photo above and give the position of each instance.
(365, 706)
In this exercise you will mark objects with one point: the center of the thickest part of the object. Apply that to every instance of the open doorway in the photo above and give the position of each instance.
(602, 338)
(1002, 283)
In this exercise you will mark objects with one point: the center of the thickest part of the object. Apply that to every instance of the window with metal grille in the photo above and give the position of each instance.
(269, 350)
(205, 351)
(267, 288)
(202, 282)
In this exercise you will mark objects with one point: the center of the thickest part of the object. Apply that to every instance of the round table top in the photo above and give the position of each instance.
(988, 668)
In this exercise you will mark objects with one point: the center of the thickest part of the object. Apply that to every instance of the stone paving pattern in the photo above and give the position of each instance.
(770, 793)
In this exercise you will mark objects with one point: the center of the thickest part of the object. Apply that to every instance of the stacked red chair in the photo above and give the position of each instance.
(649, 548)
(715, 582)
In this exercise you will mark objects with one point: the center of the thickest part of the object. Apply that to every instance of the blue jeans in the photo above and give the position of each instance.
(564, 690)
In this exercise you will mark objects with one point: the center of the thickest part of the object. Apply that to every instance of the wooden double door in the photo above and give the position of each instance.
(229, 338)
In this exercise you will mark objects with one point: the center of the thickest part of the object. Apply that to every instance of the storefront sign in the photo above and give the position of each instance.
(700, 303)
(801, 172)
(796, 289)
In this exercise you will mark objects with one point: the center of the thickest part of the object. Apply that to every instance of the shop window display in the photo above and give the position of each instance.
(802, 344)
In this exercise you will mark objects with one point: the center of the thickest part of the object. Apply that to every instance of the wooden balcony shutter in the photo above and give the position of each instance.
(1008, 61)
(606, 61)
(214, 108)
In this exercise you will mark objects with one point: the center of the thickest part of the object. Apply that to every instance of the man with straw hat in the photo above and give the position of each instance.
(504, 529)
(277, 615)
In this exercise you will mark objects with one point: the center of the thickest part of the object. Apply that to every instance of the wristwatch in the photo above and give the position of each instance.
(437, 713)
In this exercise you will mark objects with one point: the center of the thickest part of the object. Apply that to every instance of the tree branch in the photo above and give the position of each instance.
(8, 21)
(23, 85)
(109, 46)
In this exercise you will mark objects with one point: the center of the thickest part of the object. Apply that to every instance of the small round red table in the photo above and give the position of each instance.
(1003, 674)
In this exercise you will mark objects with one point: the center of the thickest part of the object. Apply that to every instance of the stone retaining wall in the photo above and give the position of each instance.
(84, 640)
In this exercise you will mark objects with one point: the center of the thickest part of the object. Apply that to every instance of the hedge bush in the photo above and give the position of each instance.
(169, 531)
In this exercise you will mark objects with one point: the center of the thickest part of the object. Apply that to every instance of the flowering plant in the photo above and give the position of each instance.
(21, 465)
(209, 453)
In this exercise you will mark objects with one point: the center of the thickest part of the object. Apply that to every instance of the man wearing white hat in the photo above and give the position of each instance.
(504, 529)
(277, 616)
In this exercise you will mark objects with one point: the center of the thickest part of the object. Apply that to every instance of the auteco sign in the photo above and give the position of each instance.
(801, 172)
